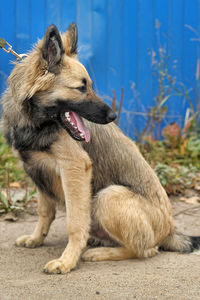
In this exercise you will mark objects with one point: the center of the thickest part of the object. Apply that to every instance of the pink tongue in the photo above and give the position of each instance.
(79, 123)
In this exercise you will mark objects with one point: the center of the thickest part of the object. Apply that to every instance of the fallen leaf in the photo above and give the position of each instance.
(191, 200)
(34, 199)
(10, 217)
(196, 252)
(15, 185)
(197, 186)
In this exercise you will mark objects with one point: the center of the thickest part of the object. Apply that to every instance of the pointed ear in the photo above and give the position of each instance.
(70, 39)
(52, 49)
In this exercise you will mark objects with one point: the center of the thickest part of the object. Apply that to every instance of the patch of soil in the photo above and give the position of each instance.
(166, 276)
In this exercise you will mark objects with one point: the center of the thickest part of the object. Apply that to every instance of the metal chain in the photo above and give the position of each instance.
(8, 49)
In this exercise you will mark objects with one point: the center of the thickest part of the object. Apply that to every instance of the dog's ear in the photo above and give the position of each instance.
(70, 39)
(52, 49)
(72, 32)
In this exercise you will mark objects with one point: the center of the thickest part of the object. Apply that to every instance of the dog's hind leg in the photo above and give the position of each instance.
(120, 213)
(46, 212)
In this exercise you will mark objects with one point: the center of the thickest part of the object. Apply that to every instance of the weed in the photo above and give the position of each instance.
(9, 164)
(176, 178)
(176, 166)
(13, 175)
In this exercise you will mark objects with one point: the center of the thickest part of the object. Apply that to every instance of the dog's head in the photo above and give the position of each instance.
(51, 84)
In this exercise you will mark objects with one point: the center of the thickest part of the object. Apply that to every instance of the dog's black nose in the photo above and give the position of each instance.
(111, 116)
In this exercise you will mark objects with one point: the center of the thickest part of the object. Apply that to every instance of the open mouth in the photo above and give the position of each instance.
(73, 123)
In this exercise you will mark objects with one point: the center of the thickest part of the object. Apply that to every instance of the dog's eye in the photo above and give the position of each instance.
(82, 88)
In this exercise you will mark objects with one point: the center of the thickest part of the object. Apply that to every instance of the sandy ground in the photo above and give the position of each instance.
(166, 276)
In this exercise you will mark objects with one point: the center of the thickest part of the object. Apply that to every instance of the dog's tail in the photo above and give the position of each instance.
(181, 243)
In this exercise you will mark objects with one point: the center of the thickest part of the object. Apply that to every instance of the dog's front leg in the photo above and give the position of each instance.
(76, 180)
(46, 212)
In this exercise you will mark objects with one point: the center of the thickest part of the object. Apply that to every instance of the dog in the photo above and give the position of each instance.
(75, 154)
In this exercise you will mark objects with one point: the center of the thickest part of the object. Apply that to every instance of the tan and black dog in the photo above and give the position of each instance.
(110, 192)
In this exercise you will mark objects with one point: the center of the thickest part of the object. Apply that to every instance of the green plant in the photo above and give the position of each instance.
(9, 165)
(7, 204)
(176, 178)
(4, 203)
(166, 83)
(176, 161)
(193, 147)
(12, 174)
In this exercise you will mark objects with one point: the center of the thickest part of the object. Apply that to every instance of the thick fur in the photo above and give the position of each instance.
(110, 192)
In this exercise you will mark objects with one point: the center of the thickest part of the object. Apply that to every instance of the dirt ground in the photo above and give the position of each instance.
(166, 276)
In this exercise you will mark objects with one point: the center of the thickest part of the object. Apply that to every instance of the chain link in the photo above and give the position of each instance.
(8, 49)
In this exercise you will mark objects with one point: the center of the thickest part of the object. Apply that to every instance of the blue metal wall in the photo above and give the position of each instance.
(115, 41)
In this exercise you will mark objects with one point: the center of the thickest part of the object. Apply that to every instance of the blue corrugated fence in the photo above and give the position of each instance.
(116, 42)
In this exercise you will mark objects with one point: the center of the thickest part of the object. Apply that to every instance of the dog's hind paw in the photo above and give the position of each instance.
(58, 266)
(95, 254)
(150, 252)
(28, 241)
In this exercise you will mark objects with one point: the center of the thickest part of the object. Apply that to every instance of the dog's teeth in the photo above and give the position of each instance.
(81, 134)
(75, 127)
(67, 114)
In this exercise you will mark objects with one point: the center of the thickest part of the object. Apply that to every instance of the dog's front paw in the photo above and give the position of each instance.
(27, 241)
(58, 266)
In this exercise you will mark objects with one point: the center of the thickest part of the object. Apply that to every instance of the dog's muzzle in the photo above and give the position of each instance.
(71, 114)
